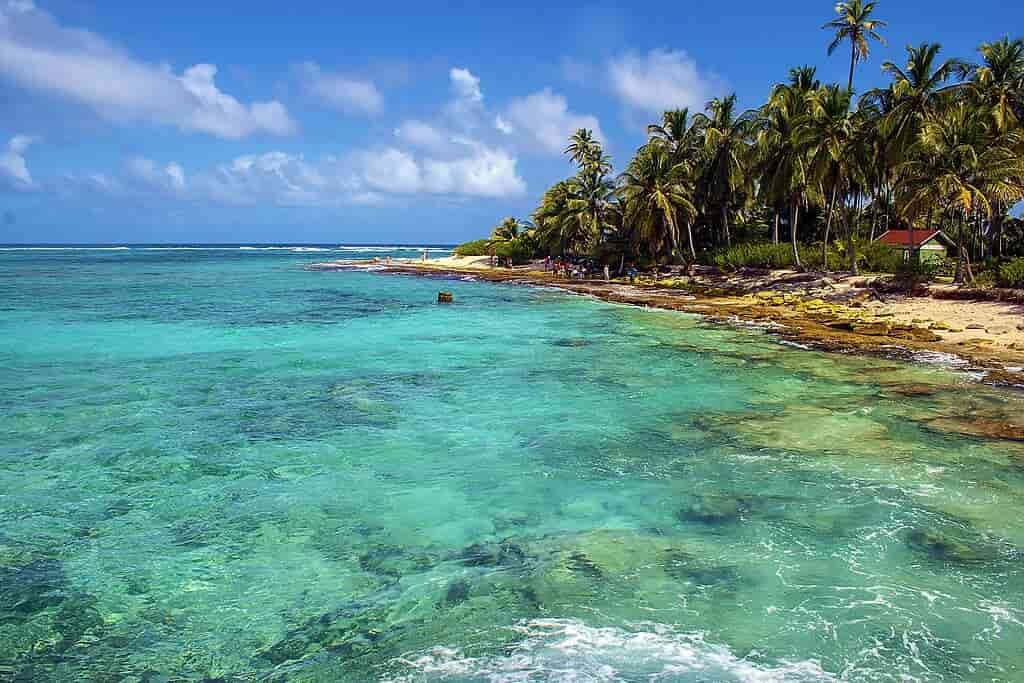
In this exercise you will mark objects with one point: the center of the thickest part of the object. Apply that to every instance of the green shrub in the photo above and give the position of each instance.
(762, 255)
(877, 257)
(1011, 273)
(474, 248)
(518, 250)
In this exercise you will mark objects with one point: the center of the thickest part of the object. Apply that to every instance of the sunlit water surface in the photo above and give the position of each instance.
(215, 464)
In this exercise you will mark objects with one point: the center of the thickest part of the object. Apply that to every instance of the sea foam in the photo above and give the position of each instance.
(569, 650)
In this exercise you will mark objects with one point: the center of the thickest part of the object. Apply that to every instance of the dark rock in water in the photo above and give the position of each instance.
(77, 616)
(504, 554)
(394, 562)
(683, 566)
(571, 343)
(945, 548)
(579, 562)
(32, 587)
(458, 592)
(349, 629)
(714, 510)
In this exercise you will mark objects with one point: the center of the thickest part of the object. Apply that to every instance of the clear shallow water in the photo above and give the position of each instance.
(217, 465)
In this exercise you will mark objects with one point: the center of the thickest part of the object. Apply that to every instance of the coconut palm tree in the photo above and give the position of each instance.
(957, 164)
(655, 198)
(998, 82)
(855, 25)
(727, 155)
(585, 151)
(917, 91)
(782, 162)
(827, 134)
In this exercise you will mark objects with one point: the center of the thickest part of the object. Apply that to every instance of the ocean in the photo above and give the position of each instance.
(218, 465)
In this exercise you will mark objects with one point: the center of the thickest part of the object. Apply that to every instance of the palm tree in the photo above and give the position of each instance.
(998, 82)
(585, 151)
(783, 166)
(957, 164)
(655, 198)
(998, 85)
(917, 92)
(507, 231)
(727, 151)
(854, 24)
(827, 133)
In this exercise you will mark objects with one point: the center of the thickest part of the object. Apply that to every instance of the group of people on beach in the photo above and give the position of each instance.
(576, 268)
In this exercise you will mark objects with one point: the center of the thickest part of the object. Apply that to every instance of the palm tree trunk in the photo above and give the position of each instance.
(689, 239)
(851, 234)
(998, 236)
(775, 231)
(725, 225)
(794, 215)
(853, 63)
(828, 228)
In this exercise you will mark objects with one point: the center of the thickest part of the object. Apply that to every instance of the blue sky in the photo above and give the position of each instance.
(371, 122)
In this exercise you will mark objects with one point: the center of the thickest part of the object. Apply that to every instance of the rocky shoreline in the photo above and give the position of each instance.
(805, 309)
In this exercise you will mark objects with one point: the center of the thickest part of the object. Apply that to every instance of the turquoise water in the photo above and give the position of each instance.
(216, 465)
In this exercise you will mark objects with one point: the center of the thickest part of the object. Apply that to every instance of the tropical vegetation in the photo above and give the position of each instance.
(818, 165)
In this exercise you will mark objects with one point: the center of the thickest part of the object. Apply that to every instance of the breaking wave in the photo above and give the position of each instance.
(568, 650)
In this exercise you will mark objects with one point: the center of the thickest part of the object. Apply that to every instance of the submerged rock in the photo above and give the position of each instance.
(943, 547)
(714, 510)
(980, 426)
(504, 554)
(458, 592)
(31, 588)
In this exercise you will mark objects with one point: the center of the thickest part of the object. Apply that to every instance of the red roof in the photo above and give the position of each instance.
(901, 238)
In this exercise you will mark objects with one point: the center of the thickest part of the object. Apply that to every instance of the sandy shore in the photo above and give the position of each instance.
(825, 311)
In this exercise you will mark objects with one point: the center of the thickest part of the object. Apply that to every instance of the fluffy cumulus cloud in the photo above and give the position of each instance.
(14, 173)
(482, 172)
(168, 178)
(660, 80)
(39, 54)
(421, 134)
(284, 179)
(544, 118)
(348, 94)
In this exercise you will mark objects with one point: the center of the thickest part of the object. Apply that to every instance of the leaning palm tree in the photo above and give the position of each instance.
(855, 24)
(655, 198)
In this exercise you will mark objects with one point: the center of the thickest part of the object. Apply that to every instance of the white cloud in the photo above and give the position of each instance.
(168, 178)
(467, 102)
(279, 178)
(420, 134)
(39, 54)
(345, 93)
(503, 125)
(660, 80)
(484, 172)
(466, 85)
(14, 171)
(545, 118)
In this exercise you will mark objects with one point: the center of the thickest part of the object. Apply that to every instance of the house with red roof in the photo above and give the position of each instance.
(929, 244)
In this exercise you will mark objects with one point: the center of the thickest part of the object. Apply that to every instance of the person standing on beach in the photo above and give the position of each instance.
(424, 256)
(607, 274)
